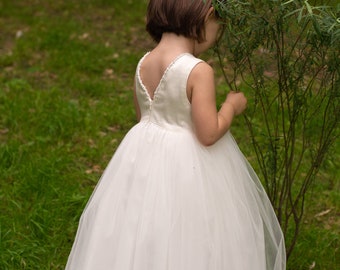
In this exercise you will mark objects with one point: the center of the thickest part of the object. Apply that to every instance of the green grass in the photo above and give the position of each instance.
(66, 76)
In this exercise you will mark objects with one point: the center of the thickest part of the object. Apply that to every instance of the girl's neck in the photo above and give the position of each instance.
(176, 43)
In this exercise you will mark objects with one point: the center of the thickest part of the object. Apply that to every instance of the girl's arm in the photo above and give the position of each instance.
(210, 124)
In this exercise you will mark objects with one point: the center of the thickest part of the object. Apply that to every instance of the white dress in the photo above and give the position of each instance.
(166, 202)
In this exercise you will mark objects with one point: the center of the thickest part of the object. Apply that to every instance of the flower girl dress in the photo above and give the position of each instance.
(166, 202)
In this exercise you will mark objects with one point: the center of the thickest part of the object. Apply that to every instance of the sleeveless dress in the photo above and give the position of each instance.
(166, 202)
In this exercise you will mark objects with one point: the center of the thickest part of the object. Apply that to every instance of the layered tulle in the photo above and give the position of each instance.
(185, 207)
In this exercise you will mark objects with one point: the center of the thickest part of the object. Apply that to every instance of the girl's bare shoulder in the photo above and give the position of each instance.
(202, 71)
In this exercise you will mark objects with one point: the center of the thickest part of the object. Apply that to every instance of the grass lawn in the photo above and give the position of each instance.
(66, 76)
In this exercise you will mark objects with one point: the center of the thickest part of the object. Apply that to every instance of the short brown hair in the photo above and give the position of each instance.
(182, 17)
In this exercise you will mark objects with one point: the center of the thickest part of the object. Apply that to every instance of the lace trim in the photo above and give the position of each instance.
(162, 78)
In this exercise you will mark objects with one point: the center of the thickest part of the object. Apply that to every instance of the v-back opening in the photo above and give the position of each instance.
(151, 96)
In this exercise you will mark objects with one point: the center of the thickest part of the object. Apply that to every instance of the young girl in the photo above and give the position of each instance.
(178, 194)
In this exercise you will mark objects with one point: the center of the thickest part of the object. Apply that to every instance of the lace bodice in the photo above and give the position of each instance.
(169, 107)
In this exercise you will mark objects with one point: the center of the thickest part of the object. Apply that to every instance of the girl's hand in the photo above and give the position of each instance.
(238, 101)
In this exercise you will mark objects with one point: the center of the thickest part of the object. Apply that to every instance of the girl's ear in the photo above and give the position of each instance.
(209, 13)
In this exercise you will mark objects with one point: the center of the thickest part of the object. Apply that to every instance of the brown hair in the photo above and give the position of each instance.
(182, 17)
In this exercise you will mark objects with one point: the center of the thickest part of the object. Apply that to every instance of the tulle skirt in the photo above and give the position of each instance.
(165, 202)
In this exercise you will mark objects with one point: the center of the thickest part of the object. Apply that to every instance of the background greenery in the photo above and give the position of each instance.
(286, 54)
(66, 76)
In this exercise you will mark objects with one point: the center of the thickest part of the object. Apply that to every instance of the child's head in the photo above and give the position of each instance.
(182, 17)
